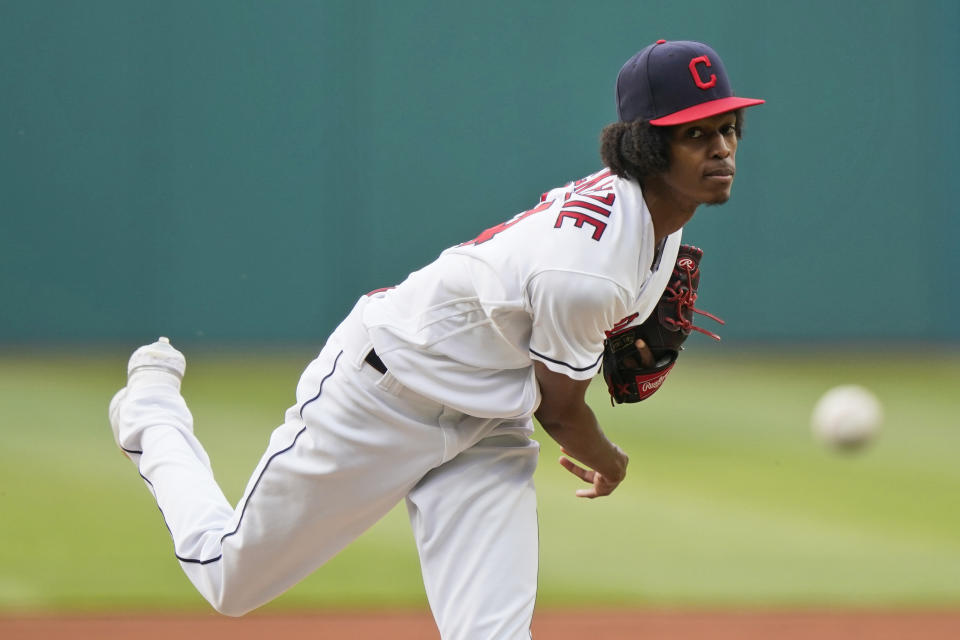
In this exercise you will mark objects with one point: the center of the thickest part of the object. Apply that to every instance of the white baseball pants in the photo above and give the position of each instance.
(355, 444)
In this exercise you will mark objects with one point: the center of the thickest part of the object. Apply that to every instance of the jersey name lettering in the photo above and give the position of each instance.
(595, 196)
(602, 182)
(591, 197)
(581, 219)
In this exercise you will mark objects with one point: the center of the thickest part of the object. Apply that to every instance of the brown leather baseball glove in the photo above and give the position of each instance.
(663, 332)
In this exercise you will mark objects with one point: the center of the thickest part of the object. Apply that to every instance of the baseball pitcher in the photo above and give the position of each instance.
(427, 391)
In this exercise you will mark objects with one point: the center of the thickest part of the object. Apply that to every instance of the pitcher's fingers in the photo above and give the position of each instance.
(646, 355)
(584, 474)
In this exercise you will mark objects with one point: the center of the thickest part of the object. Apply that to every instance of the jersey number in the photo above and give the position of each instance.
(489, 234)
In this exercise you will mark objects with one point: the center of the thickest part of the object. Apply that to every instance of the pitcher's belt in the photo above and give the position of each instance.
(374, 361)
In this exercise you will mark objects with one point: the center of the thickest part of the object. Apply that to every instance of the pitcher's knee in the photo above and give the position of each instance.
(232, 606)
(232, 600)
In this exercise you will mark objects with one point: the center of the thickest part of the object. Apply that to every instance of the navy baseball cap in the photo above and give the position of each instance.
(675, 82)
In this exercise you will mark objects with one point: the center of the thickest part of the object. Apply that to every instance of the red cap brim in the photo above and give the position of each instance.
(705, 110)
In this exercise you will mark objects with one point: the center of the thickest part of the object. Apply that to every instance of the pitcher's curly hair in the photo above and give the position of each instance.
(638, 149)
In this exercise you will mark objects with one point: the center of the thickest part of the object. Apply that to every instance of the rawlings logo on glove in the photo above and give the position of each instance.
(663, 332)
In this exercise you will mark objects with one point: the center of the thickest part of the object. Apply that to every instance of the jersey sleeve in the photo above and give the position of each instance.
(571, 313)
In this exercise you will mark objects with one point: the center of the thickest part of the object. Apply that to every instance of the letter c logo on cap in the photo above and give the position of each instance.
(696, 74)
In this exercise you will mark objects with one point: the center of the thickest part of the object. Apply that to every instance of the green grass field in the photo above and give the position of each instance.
(729, 501)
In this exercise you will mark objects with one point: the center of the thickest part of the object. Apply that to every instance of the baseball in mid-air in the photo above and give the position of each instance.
(847, 417)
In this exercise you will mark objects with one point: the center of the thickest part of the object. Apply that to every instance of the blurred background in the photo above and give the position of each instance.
(234, 174)
(225, 171)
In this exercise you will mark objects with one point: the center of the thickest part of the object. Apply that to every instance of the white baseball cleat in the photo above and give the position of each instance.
(151, 397)
(158, 357)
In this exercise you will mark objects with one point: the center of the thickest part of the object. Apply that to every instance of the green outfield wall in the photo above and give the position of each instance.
(226, 171)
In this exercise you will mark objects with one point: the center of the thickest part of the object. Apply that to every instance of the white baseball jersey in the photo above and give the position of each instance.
(546, 285)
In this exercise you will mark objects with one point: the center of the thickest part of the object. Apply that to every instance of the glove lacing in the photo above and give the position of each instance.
(684, 298)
